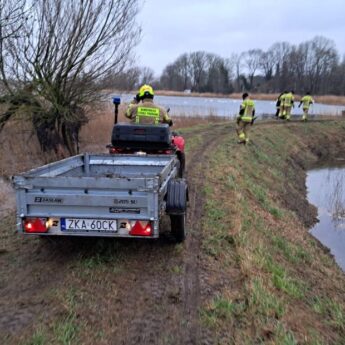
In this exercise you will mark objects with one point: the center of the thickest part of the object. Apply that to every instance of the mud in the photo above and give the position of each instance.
(139, 292)
(120, 291)
(7, 197)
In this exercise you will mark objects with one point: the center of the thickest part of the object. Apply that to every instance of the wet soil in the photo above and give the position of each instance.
(124, 292)
(7, 197)
(121, 291)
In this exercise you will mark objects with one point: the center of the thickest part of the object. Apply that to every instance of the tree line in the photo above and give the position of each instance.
(314, 65)
(58, 56)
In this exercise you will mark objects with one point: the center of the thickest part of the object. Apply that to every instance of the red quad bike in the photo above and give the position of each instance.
(146, 139)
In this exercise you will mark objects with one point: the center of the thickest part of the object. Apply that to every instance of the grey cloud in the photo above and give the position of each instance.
(226, 26)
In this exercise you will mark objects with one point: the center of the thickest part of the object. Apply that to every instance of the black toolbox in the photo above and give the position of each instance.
(141, 137)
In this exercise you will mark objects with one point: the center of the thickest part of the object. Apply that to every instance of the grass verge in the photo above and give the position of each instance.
(276, 283)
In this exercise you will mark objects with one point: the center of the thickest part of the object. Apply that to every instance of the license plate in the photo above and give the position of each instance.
(77, 224)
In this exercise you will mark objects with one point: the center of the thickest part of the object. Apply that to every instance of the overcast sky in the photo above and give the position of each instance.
(173, 27)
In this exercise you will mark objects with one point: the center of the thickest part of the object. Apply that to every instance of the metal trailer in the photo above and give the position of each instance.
(102, 195)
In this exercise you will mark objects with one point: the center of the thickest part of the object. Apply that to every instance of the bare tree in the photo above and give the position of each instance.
(171, 79)
(267, 64)
(252, 60)
(281, 52)
(237, 63)
(12, 17)
(59, 53)
(126, 80)
(147, 76)
(197, 65)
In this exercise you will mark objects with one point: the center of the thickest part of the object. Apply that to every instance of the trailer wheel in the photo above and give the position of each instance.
(178, 223)
(177, 196)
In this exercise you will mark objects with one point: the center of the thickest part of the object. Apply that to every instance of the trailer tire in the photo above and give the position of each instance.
(176, 205)
(178, 224)
(177, 196)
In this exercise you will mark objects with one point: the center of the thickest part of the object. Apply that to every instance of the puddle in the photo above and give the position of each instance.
(326, 190)
(7, 197)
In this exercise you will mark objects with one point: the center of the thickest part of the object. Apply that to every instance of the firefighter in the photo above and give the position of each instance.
(288, 104)
(279, 105)
(245, 118)
(307, 101)
(142, 110)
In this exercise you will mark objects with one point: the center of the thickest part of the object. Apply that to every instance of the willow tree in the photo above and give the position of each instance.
(53, 64)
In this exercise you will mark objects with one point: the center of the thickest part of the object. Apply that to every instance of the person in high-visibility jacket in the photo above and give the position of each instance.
(142, 110)
(307, 101)
(245, 118)
(288, 103)
(279, 106)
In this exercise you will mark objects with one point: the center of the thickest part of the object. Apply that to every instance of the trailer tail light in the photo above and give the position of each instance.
(35, 225)
(112, 150)
(141, 228)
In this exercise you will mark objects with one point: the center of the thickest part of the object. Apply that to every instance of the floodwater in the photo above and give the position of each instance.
(326, 190)
(227, 107)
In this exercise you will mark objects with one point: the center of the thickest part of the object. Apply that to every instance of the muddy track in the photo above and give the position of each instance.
(152, 298)
(196, 164)
(145, 292)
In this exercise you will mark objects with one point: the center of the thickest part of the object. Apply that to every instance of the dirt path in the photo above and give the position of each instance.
(112, 292)
(7, 197)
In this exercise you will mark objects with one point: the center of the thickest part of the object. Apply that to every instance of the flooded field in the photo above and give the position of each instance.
(326, 190)
(226, 107)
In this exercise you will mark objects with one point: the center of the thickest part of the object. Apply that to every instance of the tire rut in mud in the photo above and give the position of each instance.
(153, 297)
(197, 163)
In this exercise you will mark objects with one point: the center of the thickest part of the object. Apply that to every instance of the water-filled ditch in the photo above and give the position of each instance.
(326, 190)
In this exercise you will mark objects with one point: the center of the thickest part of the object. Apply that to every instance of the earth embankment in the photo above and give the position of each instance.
(249, 272)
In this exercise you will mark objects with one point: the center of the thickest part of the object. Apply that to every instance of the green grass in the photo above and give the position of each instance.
(295, 254)
(284, 337)
(282, 281)
(254, 178)
(38, 338)
(220, 309)
(192, 143)
(218, 237)
(177, 269)
(263, 301)
(331, 310)
(66, 330)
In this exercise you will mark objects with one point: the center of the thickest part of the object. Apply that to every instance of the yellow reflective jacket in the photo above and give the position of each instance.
(247, 110)
(147, 112)
(307, 100)
(288, 99)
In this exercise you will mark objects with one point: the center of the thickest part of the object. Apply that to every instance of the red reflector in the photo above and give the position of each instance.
(112, 150)
(35, 225)
(141, 229)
